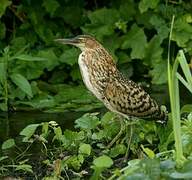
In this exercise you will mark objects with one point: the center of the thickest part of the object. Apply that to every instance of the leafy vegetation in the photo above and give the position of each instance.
(37, 74)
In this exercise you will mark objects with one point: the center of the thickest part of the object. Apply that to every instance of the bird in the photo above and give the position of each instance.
(101, 76)
(119, 94)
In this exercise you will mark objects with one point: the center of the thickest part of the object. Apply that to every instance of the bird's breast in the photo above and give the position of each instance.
(87, 75)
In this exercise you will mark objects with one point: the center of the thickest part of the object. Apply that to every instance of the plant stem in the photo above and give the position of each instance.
(175, 103)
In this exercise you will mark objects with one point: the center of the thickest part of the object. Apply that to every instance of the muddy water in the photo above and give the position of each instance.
(11, 124)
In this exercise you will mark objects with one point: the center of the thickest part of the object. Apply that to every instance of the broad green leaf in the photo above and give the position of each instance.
(29, 130)
(186, 108)
(159, 72)
(160, 25)
(87, 121)
(144, 5)
(3, 6)
(103, 162)
(104, 16)
(153, 51)
(26, 57)
(22, 83)
(8, 144)
(69, 56)
(102, 22)
(85, 149)
(182, 31)
(131, 40)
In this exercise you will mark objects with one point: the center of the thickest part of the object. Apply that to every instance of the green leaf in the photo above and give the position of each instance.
(75, 162)
(87, 121)
(160, 25)
(102, 22)
(186, 108)
(3, 6)
(117, 150)
(29, 131)
(50, 6)
(153, 51)
(24, 167)
(159, 72)
(8, 144)
(26, 57)
(182, 31)
(131, 40)
(104, 16)
(85, 149)
(148, 152)
(72, 139)
(3, 157)
(70, 56)
(22, 83)
(2, 72)
(103, 162)
(58, 133)
(180, 175)
(144, 5)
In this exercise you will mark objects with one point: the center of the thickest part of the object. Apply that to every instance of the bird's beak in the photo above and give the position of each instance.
(72, 41)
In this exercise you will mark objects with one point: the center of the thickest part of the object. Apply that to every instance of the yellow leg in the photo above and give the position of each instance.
(118, 135)
(131, 126)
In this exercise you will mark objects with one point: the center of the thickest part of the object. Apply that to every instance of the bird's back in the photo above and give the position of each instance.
(129, 99)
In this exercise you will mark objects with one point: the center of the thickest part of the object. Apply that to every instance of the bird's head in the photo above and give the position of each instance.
(84, 42)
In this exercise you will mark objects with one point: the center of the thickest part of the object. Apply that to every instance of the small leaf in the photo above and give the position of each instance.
(87, 121)
(58, 134)
(85, 149)
(29, 130)
(117, 150)
(144, 5)
(8, 144)
(22, 83)
(24, 167)
(148, 152)
(103, 162)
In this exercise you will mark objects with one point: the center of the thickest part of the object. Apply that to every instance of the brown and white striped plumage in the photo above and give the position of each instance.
(103, 79)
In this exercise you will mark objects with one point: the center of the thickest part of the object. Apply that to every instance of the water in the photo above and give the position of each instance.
(11, 124)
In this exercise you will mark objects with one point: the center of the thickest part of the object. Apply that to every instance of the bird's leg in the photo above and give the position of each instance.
(119, 133)
(131, 126)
